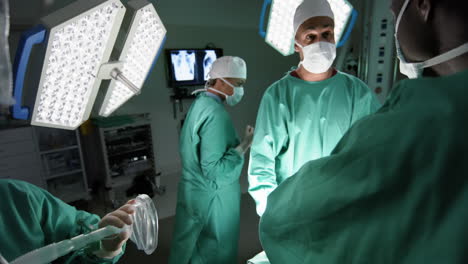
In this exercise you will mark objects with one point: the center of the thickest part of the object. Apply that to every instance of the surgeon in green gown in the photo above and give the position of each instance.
(208, 203)
(303, 116)
(395, 189)
(31, 217)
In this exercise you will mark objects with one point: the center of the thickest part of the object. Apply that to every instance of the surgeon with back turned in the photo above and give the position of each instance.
(208, 203)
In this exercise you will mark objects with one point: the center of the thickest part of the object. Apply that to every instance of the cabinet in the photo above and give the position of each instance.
(62, 163)
(121, 149)
(19, 157)
(47, 157)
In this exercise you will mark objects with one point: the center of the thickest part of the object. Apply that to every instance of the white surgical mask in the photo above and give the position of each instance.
(231, 100)
(318, 57)
(415, 69)
(236, 97)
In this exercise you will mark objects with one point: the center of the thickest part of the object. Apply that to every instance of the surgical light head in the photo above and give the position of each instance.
(142, 44)
(80, 39)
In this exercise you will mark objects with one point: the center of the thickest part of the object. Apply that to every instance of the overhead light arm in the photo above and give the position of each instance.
(111, 71)
(117, 74)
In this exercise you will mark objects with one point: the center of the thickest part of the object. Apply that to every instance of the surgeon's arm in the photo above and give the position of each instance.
(365, 102)
(61, 221)
(219, 159)
(270, 135)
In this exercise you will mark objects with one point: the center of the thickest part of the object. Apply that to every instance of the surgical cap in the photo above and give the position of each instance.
(309, 9)
(228, 67)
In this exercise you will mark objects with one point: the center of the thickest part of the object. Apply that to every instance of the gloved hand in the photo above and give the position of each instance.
(246, 140)
(248, 137)
(118, 218)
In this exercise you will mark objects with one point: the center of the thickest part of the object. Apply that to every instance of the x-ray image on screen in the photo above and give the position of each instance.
(183, 62)
(210, 57)
(190, 67)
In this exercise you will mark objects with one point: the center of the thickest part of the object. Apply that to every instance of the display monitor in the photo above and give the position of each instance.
(189, 67)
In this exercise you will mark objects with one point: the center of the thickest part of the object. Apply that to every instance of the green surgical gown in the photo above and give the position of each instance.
(208, 203)
(31, 218)
(394, 190)
(299, 121)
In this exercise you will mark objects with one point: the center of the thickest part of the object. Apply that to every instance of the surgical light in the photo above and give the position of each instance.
(279, 33)
(142, 44)
(342, 10)
(280, 27)
(80, 38)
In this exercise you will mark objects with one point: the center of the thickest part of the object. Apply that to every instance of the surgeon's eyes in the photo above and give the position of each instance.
(326, 35)
(310, 37)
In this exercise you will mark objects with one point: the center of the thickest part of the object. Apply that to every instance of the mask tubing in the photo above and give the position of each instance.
(54, 251)
(144, 230)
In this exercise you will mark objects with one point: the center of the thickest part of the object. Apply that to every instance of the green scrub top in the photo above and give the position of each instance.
(208, 203)
(394, 190)
(31, 218)
(299, 121)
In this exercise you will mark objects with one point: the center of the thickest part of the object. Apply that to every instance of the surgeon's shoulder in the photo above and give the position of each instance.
(279, 84)
(357, 83)
(209, 108)
(359, 89)
(275, 90)
(16, 184)
(17, 188)
(206, 104)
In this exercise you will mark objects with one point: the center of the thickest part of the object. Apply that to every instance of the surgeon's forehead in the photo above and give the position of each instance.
(237, 80)
(317, 23)
(240, 81)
